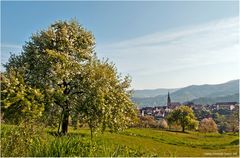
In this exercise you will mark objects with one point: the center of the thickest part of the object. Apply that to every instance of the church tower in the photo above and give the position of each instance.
(168, 100)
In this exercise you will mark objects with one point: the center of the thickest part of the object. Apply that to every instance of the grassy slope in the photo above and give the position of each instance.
(152, 142)
(164, 143)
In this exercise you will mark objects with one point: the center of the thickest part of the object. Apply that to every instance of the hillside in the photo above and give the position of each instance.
(206, 100)
(211, 93)
(151, 92)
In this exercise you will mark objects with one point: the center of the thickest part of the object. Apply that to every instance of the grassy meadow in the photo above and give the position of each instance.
(131, 142)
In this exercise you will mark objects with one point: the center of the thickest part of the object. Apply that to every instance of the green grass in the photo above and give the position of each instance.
(131, 142)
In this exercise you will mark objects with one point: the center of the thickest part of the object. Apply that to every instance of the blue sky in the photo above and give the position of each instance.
(159, 44)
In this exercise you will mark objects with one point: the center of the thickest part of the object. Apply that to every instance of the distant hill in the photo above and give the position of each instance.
(151, 92)
(202, 92)
(213, 100)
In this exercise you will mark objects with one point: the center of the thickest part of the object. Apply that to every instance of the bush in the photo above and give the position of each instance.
(207, 125)
(147, 122)
(223, 127)
(163, 124)
(18, 140)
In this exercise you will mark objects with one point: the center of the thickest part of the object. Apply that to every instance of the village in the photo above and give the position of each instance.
(200, 111)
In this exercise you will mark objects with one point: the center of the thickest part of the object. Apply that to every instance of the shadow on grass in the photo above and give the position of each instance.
(59, 134)
(235, 142)
(175, 131)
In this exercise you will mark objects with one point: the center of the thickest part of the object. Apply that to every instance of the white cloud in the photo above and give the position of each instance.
(12, 46)
(213, 43)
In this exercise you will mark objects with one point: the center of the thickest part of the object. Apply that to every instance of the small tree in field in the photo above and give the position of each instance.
(207, 125)
(182, 116)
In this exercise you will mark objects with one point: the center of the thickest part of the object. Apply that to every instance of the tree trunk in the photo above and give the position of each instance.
(60, 122)
(91, 133)
(65, 121)
(66, 110)
(183, 128)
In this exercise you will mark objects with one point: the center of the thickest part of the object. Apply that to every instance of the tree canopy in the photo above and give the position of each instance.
(182, 116)
(21, 102)
(60, 64)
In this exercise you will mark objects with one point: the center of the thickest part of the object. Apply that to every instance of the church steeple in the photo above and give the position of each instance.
(168, 100)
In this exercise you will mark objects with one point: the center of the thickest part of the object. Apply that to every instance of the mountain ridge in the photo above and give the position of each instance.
(144, 93)
(192, 92)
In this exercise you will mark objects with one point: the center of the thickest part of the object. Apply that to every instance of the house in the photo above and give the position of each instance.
(159, 115)
(146, 111)
(226, 105)
(173, 105)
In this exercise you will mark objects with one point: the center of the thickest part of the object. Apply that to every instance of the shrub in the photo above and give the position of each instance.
(223, 127)
(17, 140)
(147, 122)
(207, 125)
(163, 124)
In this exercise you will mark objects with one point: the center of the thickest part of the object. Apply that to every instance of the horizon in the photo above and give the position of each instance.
(190, 85)
(159, 44)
